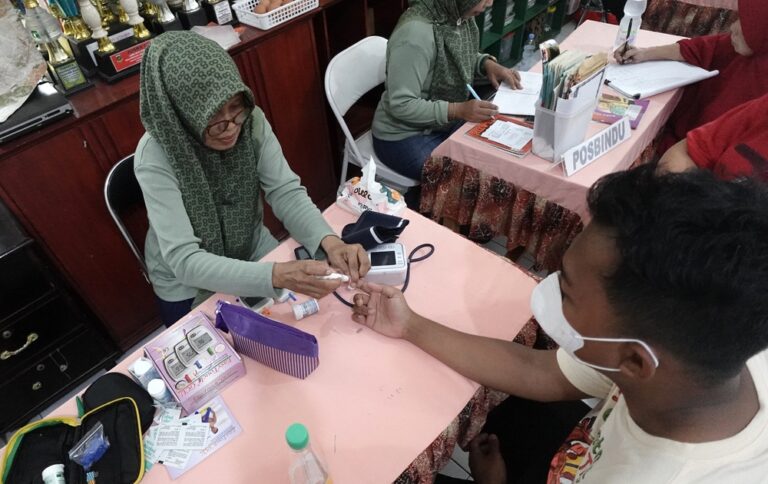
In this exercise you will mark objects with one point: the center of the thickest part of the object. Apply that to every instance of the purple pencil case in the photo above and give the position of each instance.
(271, 343)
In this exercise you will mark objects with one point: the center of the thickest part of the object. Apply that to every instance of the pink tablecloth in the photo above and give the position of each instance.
(375, 403)
(541, 177)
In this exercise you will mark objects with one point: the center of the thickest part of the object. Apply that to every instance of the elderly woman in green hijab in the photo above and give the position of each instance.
(206, 157)
(431, 57)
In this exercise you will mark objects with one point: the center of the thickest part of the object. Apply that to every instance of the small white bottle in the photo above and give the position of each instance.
(305, 467)
(630, 23)
(54, 474)
(144, 371)
(529, 53)
(158, 391)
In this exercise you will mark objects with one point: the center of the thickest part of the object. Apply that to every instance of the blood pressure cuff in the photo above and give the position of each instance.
(373, 229)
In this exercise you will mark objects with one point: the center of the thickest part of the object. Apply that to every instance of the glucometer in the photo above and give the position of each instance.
(388, 264)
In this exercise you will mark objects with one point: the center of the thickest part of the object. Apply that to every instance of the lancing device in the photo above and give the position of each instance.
(334, 276)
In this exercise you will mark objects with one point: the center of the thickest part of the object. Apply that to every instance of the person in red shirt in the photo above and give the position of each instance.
(733, 145)
(741, 56)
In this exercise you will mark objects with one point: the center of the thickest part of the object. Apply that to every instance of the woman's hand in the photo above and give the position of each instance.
(485, 460)
(473, 111)
(384, 310)
(497, 74)
(351, 259)
(301, 276)
(632, 55)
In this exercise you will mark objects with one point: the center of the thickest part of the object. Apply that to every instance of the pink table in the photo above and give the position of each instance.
(374, 404)
(465, 174)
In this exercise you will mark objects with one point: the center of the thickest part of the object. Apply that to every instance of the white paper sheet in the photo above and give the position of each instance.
(509, 134)
(653, 77)
(521, 102)
(181, 437)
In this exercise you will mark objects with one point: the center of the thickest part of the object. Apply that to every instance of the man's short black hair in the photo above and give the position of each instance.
(693, 270)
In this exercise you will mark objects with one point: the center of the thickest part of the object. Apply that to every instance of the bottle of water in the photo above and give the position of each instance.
(550, 18)
(529, 53)
(305, 467)
(630, 23)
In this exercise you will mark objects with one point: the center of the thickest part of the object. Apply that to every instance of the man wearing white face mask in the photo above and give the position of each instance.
(660, 311)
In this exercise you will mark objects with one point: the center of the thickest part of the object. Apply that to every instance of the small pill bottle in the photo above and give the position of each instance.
(54, 474)
(158, 391)
(307, 308)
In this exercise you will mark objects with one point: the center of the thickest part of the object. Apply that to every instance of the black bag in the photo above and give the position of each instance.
(124, 409)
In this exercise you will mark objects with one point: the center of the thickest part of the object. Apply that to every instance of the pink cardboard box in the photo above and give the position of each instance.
(195, 361)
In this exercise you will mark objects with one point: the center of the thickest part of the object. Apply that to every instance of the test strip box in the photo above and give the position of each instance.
(195, 361)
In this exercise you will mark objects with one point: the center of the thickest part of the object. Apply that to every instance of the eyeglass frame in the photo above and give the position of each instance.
(232, 120)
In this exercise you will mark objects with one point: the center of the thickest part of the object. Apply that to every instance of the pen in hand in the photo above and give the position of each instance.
(474, 95)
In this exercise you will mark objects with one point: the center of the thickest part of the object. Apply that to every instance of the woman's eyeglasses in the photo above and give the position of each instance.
(218, 128)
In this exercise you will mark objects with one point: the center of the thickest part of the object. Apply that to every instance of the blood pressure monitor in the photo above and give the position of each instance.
(388, 264)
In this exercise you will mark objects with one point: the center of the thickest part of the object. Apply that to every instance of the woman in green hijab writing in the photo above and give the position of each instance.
(431, 57)
(206, 157)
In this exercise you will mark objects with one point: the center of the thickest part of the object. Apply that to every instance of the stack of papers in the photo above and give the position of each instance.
(650, 78)
(224, 35)
(509, 134)
(181, 443)
(566, 75)
(521, 102)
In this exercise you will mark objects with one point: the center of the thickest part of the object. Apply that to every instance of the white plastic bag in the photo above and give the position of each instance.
(365, 193)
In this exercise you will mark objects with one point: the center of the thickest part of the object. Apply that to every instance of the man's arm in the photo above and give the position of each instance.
(503, 365)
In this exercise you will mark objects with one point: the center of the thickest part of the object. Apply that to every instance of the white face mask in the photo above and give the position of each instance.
(547, 306)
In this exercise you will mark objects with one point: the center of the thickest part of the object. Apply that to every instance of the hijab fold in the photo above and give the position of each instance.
(185, 80)
(457, 42)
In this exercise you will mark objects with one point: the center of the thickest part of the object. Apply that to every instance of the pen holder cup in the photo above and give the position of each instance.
(555, 133)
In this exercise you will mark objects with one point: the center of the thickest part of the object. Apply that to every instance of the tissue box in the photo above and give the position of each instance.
(195, 361)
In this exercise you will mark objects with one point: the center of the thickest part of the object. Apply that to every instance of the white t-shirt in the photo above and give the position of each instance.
(608, 447)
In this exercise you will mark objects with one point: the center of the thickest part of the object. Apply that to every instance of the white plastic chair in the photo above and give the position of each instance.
(352, 73)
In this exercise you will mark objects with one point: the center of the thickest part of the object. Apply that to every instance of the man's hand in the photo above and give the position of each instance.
(301, 276)
(497, 74)
(350, 259)
(384, 310)
(485, 460)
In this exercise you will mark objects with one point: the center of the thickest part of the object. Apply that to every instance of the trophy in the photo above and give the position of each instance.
(165, 19)
(46, 31)
(191, 14)
(117, 56)
(66, 12)
(218, 11)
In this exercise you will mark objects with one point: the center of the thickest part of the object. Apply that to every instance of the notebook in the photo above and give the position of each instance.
(508, 134)
(521, 102)
(43, 106)
(650, 78)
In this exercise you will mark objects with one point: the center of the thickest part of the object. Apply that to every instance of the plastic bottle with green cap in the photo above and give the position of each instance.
(305, 466)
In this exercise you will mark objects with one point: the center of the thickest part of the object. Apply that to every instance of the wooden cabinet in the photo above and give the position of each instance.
(58, 188)
(40, 321)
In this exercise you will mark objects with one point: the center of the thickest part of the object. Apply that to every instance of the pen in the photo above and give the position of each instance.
(623, 93)
(474, 95)
(629, 34)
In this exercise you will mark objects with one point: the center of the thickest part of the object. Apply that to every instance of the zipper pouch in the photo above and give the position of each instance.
(271, 343)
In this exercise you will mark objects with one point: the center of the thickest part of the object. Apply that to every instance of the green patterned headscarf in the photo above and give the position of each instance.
(185, 80)
(457, 42)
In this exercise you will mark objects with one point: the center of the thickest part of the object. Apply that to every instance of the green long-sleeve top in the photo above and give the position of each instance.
(405, 108)
(176, 263)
